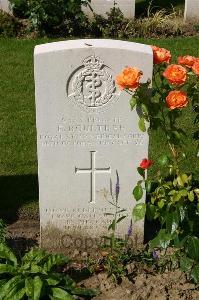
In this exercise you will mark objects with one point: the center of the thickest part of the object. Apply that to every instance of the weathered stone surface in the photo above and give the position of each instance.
(191, 10)
(86, 131)
(101, 7)
(5, 6)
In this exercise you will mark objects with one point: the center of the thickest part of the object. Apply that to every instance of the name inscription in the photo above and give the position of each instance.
(90, 132)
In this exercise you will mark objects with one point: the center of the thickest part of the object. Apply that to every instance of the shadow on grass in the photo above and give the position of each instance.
(142, 6)
(15, 192)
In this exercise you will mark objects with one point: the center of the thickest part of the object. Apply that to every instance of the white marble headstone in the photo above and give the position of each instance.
(86, 131)
(191, 10)
(101, 7)
(5, 6)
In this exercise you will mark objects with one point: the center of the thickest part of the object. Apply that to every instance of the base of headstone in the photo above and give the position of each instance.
(56, 240)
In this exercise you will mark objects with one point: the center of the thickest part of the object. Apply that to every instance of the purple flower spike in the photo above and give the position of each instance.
(117, 186)
(130, 229)
(155, 255)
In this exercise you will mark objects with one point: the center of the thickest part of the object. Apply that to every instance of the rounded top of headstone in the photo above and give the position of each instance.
(92, 43)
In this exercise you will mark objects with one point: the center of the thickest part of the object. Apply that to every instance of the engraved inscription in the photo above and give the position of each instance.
(92, 171)
(91, 131)
(81, 218)
(92, 86)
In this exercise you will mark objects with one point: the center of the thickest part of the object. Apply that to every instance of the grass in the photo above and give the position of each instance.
(18, 161)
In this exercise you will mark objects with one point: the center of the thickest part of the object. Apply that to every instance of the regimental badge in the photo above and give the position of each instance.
(92, 86)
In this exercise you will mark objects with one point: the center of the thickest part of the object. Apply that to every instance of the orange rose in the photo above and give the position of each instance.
(175, 74)
(195, 67)
(186, 60)
(161, 55)
(176, 99)
(129, 78)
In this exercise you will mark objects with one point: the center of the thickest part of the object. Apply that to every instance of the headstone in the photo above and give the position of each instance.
(101, 7)
(5, 6)
(86, 131)
(191, 10)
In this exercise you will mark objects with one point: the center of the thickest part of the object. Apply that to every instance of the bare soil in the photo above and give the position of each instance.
(141, 283)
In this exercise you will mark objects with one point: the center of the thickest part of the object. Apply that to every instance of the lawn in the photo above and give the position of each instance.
(18, 161)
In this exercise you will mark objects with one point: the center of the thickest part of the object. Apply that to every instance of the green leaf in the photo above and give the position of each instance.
(35, 255)
(163, 160)
(138, 192)
(37, 269)
(185, 263)
(139, 212)
(150, 212)
(133, 102)
(183, 193)
(9, 286)
(184, 178)
(161, 203)
(120, 219)
(148, 185)
(17, 293)
(195, 273)
(55, 260)
(162, 240)
(141, 124)
(2, 282)
(181, 212)
(112, 226)
(191, 196)
(141, 172)
(6, 252)
(37, 287)
(29, 287)
(193, 247)
(177, 135)
(60, 294)
(144, 109)
(180, 181)
(5, 268)
(53, 280)
(172, 221)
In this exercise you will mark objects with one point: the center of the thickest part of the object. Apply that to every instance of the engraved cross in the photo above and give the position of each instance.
(92, 171)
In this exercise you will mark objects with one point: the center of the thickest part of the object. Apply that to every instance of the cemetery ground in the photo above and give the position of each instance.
(19, 183)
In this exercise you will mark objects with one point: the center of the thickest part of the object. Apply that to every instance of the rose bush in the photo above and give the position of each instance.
(172, 195)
